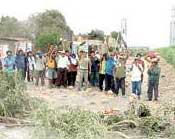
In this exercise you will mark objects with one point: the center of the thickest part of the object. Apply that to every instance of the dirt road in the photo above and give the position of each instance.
(94, 100)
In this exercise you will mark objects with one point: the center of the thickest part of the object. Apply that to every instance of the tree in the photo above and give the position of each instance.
(114, 34)
(117, 36)
(46, 39)
(48, 21)
(96, 34)
(48, 24)
(8, 26)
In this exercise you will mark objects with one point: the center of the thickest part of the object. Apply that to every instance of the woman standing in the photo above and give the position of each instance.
(102, 71)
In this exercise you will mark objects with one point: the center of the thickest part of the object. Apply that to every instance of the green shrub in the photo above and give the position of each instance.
(169, 54)
(66, 124)
(13, 99)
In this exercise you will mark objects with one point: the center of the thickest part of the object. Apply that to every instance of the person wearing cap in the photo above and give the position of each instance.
(136, 72)
(21, 63)
(62, 69)
(120, 74)
(153, 79)
(84, 67)
(9, 62)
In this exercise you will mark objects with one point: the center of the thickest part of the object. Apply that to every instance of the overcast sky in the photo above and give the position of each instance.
(148, 21)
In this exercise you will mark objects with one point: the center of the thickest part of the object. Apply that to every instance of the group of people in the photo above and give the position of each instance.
(106, 71)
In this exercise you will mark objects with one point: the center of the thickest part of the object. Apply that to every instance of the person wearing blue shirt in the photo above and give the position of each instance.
(21, 63)
(109, 73)
(9, 62)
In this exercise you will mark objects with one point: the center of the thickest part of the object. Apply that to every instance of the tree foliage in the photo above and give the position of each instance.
(43, 28)
(9, 26)
(96, 34)
(43, 40)
(117, 36)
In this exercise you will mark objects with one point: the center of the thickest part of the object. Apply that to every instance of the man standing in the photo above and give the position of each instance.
(30, 66)
(120, 74)
(84, 66)
(109, 73)
(62, 69)
(21, 63)
(94, 76)
(72, 70)
(153, 79)
(140, 61)
(9, 62)
(136, 72)
(40, 69)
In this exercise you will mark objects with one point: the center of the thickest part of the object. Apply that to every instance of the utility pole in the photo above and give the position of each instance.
(124, 32)
(172, 27)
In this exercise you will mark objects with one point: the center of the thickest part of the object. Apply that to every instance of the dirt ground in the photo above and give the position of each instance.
(96, 101)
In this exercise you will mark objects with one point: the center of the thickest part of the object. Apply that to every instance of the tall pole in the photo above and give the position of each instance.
(172, 27)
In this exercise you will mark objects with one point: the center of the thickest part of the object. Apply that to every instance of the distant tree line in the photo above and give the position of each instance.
(43, 28)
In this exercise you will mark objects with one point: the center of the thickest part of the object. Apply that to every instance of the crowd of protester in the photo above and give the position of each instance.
(104, 71)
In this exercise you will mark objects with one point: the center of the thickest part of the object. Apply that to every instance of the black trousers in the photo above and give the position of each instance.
(101, 79)
(71, 78)
(153, 86)
(61, 77)
(120, 83)
(109, 83)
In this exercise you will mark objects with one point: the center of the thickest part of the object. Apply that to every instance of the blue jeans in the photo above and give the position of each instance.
(94, 78)
(136, 87)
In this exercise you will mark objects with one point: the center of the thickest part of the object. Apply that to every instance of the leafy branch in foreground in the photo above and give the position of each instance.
(67, 124)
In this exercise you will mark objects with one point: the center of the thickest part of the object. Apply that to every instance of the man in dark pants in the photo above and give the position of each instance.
(21, 63)
(109, 73)
(62, 69)
(120, 74)
(94, 76)
(153, 79)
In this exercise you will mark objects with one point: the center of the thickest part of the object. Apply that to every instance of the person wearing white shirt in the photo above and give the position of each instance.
(62, 69)
(30, 66)
(136, 72)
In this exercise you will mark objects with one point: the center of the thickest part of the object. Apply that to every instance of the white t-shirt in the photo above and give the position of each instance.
(63, 62)
(136, 73)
